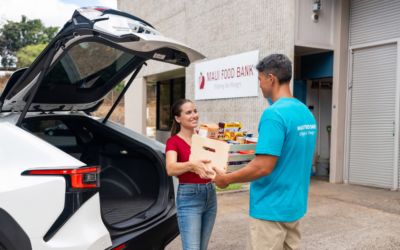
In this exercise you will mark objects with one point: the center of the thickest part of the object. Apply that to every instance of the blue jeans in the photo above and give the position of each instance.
(197, 209)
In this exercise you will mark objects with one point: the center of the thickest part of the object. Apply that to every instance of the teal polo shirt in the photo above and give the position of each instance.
(287, 129)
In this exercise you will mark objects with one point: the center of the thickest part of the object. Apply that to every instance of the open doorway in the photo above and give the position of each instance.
(313, 86)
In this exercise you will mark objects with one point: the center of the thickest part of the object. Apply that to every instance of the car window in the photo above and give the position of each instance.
(87, 65)
(53, 131)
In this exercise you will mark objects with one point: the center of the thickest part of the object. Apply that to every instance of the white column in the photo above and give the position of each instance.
(135, 106)
(339, 89)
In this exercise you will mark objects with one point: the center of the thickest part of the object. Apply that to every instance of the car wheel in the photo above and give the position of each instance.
(51, 132)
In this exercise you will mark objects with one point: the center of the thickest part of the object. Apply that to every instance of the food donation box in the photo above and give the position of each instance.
(227, 157)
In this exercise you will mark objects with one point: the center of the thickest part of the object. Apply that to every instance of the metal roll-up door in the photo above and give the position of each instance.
(372, 116)
(373, 21)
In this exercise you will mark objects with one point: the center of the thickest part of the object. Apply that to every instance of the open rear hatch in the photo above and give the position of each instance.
(94, 52)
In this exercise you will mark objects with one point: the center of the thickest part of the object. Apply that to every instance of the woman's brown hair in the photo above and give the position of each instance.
(176, 110)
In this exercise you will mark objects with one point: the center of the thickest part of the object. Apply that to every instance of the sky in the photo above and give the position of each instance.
(51, 12)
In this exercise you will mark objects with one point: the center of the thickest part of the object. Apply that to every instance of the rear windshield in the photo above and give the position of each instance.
(87, 65)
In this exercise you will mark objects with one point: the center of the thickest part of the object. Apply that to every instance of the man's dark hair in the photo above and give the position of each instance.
(278, 65)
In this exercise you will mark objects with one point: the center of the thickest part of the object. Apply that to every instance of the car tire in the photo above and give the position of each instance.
(51, 133)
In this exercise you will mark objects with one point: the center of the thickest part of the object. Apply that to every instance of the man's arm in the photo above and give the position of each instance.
(261, 166)
(268, 149)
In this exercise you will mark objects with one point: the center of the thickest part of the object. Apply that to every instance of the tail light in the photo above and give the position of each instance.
(120, 247)
(81, 184)
(76, 178)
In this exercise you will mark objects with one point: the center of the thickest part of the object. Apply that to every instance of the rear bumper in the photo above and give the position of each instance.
(83, 231)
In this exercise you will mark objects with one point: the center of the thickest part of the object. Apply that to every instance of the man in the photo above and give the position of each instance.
(280, 172)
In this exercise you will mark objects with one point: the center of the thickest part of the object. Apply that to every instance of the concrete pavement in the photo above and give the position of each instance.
(339, 217)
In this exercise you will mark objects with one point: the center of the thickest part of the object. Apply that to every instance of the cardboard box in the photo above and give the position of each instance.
(208, 131)
(231, 127)
(219, 153)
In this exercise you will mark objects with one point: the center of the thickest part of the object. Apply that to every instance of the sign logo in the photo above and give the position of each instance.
(202, 81)
(229, 77)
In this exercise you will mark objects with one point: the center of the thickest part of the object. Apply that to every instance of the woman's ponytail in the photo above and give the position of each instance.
(176, 127)
(176, 111)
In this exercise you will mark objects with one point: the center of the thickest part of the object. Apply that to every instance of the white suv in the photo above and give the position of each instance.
(69, 180)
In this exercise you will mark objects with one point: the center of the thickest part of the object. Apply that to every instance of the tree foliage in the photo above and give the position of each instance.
(3, 81)
(119, 87)
(16, 35)
(28, 54)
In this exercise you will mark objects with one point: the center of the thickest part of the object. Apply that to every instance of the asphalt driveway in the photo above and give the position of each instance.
(339, 217)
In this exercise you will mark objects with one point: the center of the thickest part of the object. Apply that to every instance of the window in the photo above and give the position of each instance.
(151, 109)
(87, 65)
(179, 89)
(54, 132)
(164, 120)
(168, 92)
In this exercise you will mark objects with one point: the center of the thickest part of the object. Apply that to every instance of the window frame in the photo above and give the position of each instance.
(72, 132)
(36, 66)
(67, 54)
(171, 99)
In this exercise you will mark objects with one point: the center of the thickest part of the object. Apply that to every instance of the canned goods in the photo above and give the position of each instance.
(248, 135)
(241, 140)
(233, 142)
(245, 152)
(251, 140)
(233, 163)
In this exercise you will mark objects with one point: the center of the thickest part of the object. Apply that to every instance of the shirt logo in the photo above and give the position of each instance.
(308, 128)
(302, 127)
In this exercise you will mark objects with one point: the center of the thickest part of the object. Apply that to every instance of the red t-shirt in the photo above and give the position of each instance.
(177, 144)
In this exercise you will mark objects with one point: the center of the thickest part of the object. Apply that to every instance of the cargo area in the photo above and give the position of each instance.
(129, 184)
(132, 177)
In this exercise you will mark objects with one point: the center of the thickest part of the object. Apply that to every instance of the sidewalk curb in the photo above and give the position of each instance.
(233, 191)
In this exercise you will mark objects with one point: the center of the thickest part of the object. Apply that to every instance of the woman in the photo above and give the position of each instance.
(196, 199)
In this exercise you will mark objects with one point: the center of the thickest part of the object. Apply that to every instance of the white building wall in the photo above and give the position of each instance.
(219, 29)
(339, 89)
(135, 106)
(317, 34)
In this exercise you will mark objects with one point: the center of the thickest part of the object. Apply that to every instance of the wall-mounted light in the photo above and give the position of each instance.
(316, 7)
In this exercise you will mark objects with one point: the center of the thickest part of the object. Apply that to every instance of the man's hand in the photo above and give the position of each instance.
(219, 179)
(261, 166)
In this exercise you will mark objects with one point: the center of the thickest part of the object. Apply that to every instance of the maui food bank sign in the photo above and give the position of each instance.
(228, 77)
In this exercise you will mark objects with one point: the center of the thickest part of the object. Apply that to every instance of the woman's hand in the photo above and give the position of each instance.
(200, 168)
(175, 168)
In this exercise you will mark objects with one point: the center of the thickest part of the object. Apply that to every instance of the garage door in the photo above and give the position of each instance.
(372, 116)
(373, 21)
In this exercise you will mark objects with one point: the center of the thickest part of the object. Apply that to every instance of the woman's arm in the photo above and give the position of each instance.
(175, 168)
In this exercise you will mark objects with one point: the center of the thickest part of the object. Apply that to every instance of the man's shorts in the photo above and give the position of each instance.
(273, 235)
